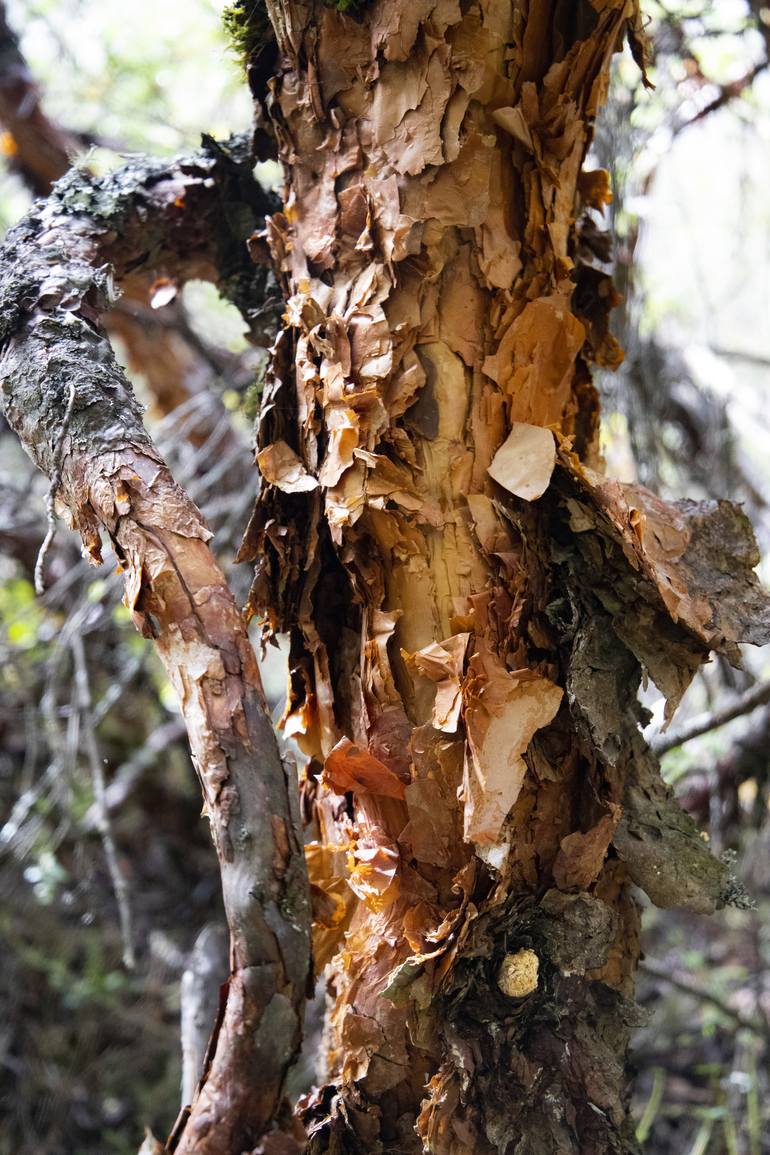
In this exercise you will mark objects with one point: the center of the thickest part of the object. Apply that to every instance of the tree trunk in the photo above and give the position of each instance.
(470, 602)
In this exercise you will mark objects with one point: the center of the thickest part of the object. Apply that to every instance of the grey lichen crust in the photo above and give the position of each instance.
(613, 618)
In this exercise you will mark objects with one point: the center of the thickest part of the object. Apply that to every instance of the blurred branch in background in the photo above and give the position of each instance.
(103, 824)
(699, 724)
(684, 983)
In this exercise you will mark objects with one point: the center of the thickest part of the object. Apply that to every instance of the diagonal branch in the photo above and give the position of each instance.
(686, 986)
(755, 696)
(726, 94)
(54, 285)
(119, 881)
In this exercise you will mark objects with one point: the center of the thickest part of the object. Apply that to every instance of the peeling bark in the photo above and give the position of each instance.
(73, 409)
(471, 604)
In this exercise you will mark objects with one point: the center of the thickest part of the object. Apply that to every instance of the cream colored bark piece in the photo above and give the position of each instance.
(518, 974)
(524, 462)
(501, 723)
(280, 466)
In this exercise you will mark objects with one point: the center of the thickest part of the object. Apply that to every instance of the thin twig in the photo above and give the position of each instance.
(103, 824)
(727, 93)
(50, 499)
(703, 1138)
(757, 359)
(758, 695)
(756, 1026)
(649, 1115)
(130, 772)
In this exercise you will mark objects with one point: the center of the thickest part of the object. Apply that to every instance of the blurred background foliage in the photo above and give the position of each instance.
(104, 858)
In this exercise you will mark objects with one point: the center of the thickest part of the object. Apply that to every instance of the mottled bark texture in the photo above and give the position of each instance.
(471, 603)
(71, 405)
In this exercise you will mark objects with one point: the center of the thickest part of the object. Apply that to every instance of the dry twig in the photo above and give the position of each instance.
(758, 695)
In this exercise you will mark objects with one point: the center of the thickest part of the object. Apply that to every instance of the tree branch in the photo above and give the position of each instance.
(703, 723)
(727, 93)
(741, 355)
(665, 975)
(119, 882)
(56, 280)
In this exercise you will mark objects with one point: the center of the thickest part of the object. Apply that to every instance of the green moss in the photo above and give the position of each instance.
(351, 6)
(252, 398)
(247, 27)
